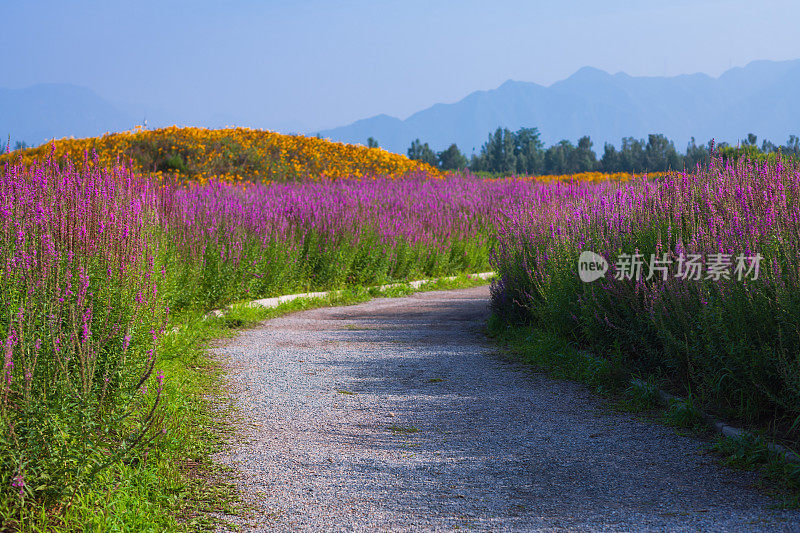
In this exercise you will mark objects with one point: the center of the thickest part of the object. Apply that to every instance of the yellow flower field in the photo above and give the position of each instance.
(598, 176)
(234, 153)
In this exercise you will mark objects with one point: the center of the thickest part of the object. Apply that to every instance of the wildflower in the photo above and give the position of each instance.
(18, 482)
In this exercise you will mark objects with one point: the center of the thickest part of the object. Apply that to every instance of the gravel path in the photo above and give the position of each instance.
(396, 414)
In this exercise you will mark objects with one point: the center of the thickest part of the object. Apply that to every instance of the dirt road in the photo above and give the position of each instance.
(397, 414)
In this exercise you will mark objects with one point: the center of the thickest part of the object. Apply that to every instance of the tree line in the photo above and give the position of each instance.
(524, 152)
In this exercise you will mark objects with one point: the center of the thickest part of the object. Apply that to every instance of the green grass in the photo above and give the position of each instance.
(779, 477)
(175, 486)
(557, 356)
(405, 430)
(562, 359)
(639, 397)
(684, 413)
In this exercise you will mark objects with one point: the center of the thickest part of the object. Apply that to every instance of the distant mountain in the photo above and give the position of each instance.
(761, 98)
(41, 112)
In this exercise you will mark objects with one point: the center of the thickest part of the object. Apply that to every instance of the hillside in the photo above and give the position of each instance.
(758, 98)
(236, 153)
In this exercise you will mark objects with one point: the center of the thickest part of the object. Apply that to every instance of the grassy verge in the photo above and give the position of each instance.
(562, 359)
(175, 486)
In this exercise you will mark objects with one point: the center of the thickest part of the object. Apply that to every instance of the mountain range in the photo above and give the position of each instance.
(46, 111)
(761, 98)
(41, 112)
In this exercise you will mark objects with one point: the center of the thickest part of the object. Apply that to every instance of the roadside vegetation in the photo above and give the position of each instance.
(611, 378)
(101, 264)
(173, 484)
(109, 407)
(723, 331)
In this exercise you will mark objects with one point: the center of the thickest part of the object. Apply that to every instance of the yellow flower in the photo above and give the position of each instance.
(238, 153)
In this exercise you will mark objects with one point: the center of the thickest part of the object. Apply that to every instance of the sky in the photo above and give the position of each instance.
(304, 65)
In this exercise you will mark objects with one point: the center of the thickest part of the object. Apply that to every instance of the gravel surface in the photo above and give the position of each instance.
(397, 414)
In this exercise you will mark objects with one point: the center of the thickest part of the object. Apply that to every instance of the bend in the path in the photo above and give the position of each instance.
(397, 414)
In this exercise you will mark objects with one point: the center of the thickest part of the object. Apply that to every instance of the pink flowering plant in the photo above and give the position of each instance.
(94, 263)
(93, 260)
(229, 241)
(682, 298)
(78, 311)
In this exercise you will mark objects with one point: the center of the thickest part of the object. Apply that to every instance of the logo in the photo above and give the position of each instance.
(591, 266)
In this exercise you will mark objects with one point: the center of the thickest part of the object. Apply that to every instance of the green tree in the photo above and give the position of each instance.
(631, 155)
(660, 154)
(421, 152)
(558, 158)
(769, 147)
(477, 163)
(583, 158)
(610, 162)
(452, 159)
(528, 153)
(372, 143)
(696, 155)
(792, 146)
(507, 152)
(499, 151)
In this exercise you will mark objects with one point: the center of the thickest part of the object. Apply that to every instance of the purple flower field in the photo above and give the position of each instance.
(269, 239)
(726, 331)
(81, 315)
(98, 263)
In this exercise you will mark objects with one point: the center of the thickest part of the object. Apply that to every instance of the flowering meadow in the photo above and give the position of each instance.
(232, 154)
(230, 241)
(731, 344)
(98, 262)
(80, 317)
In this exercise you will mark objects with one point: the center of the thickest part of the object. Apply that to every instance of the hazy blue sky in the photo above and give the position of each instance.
(308, 64)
